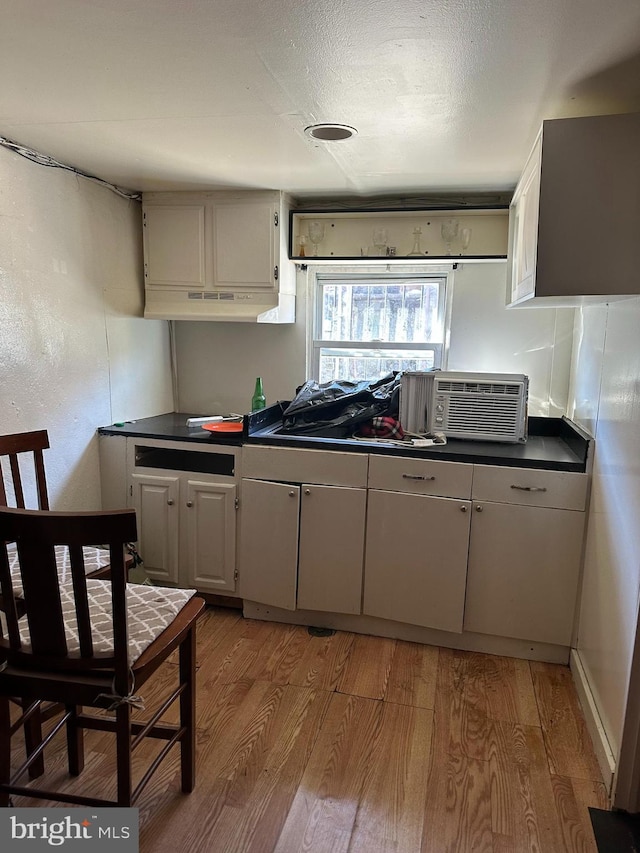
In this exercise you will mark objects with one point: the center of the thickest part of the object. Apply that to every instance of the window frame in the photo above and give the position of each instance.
(318, 275)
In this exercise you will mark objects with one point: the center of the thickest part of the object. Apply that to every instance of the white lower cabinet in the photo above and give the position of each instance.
(332, 520)
(155, 499)
(268, 554)
(302, 523)
(186, 531)
(416, 559)
(443, 545)
(210, 536)
(186, 514)
(301, 546)
(525, 553)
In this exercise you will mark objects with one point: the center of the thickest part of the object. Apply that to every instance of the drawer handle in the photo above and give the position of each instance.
(416, 477)
(530, 488)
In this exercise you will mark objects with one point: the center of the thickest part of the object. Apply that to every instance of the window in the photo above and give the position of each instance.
(369, 325)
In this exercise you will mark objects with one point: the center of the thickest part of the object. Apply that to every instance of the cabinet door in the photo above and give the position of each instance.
(525, 228)
(416, 559)
(174, 245)
(244, 244)
(155, 500)
(331, 549)
(524, 564)
(268, 558)
(209, 553)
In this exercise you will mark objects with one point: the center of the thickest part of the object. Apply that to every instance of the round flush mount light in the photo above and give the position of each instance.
(330, 132)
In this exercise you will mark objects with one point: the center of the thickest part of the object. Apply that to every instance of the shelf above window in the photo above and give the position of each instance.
(408, 236)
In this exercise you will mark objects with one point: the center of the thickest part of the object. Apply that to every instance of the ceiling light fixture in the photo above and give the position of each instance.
(330, 132)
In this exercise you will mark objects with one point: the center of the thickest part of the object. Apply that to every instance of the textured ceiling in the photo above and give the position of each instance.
(447, 95)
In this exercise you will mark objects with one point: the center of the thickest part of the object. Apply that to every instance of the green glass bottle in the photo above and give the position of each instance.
(258, 401)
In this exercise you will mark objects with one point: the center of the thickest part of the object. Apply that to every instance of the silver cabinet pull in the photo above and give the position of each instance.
(292, 494)
(416, 477)
(169, 502)
(463, 508)
(307, 491)
(530, 488)
(479, 508)
(189, 503)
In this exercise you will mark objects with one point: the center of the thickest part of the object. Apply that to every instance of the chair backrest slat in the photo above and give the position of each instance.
(32, 443)
(39, 573)
(8, 601)
(36, 533)
(79, 581)
(17, 482)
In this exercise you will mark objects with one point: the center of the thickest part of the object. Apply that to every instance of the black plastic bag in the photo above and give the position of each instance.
(335, 409)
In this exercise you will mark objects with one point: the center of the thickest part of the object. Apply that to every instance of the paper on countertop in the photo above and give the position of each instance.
(212, 419)
(196, 422)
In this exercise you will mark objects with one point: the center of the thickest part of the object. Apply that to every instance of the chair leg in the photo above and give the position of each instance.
(33, 739)
(5, 749)
(75, 741)
(188, 711)
(123, 749)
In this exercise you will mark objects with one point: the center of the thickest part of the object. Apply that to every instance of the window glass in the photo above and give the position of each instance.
(368, 327)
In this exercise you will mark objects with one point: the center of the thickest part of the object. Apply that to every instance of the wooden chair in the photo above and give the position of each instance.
(22, 461)
(83, 644)
(18, 452)
(11, 447)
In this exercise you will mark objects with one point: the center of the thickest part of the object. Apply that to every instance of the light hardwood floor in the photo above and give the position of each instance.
(355, 743)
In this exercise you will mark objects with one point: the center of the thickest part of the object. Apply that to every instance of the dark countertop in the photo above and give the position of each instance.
(555, 444)
(173, 425)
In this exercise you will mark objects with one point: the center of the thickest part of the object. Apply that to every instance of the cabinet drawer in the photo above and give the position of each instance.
(288, 465)
(420, 476)
(530, 487)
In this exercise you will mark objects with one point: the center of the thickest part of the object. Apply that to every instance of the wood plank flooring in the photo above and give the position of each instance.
(364, 745)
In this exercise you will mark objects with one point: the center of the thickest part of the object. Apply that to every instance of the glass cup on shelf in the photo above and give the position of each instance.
(449, 231)
(465, 239)
(316, 234)
(380, 239)
(416, 249)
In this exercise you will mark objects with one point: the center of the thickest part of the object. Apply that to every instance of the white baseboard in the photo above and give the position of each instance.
(604, 755)
(376, 627)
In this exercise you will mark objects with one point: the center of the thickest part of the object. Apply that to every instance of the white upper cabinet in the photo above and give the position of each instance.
(218, 256)
(245, 244)
(175, 245)
(574, 221)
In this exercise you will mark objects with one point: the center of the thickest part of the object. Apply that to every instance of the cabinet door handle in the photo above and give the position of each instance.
(307, 491)
(169, 502)
(478, 507)
(416, 477)
(530, 488)
(292, 494)
(463, 508)
(189, 503)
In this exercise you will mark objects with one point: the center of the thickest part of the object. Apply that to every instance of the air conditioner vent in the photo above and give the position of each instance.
(474, 406)
(503, 389)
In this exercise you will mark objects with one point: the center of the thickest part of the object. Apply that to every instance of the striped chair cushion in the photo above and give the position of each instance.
(150, 609)
(94, 559)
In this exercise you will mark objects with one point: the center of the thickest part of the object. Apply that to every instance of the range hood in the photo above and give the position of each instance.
(231, 306)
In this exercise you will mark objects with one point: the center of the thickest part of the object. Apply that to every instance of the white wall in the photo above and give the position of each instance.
(486, 336)
(606, 400)
(74, 351)
(218, 362)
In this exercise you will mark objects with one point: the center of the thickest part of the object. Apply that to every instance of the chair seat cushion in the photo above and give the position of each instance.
(150, 609)
(94, 559)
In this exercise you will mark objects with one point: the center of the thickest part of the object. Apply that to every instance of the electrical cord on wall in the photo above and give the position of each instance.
(45, 160)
